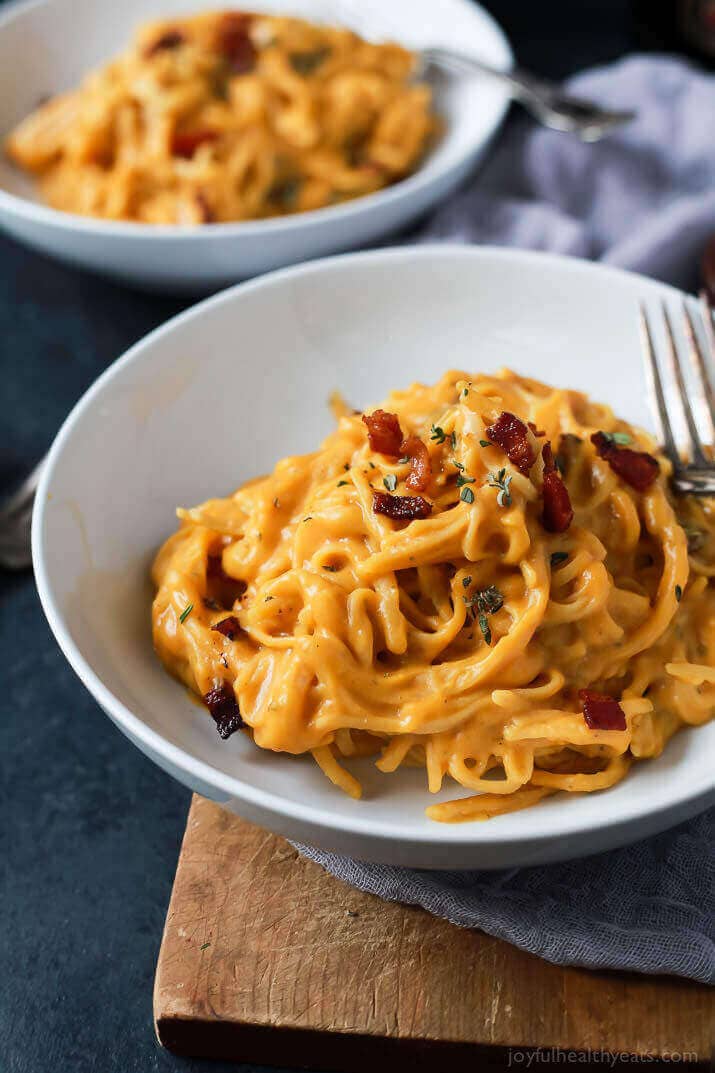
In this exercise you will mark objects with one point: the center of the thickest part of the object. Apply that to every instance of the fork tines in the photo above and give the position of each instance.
(695, 348)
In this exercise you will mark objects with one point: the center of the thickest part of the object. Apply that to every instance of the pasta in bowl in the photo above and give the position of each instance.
(229, 116)
(487, 578)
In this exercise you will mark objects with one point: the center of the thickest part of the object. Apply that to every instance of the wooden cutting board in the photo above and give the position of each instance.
(265, 958)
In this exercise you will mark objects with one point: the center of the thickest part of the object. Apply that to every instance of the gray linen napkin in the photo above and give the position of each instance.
(643, 199)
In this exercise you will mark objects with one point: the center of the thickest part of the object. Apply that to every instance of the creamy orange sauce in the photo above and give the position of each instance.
(229, 116)
(358, 635)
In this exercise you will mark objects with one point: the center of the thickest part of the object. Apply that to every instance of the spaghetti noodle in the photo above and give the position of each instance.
(539, 624)
(229, 116)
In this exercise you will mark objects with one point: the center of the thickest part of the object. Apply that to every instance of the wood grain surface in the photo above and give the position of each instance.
(266, 958)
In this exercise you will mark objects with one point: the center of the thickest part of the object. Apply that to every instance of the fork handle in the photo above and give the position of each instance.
(545, 100)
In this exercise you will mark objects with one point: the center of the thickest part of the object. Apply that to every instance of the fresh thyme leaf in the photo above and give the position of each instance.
(437, 434)
(331, 567)
(465, 392)
(371, 465)
(502, 482)
(341, 483)
(559, 557)
(486, 443)
(678, 593)
(457, 465)
(484, 627)
(488, 601)
(467, 495)
(185, 613)
(453, 440)
(620, 439)
(308, 518)
(390, 482)
(268, 598)
(204, 946)
(305, 63)
(405, 458)
(463, 479)
(346, 466)
(466, 581)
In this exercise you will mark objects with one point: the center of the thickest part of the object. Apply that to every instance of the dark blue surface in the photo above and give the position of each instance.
(91, 830)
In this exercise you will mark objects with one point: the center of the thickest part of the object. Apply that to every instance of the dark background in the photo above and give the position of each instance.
(91, 829)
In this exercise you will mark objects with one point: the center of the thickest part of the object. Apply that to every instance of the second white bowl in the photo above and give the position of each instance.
(47, 46)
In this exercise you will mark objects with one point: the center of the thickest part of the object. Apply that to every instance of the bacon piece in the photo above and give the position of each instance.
(637, 468)
(511, 435)
(234, 42)
(221, 702)
(420, 466)
(403, 508)
(187, 142)
(601, 712)
(230, 627)
(558, 512)
(384, 432)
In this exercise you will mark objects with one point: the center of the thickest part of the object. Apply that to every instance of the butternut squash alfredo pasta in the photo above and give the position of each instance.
(229, 116)
(488, 578)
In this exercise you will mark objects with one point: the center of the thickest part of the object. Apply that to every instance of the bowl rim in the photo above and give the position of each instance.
(36, 211)
(558, 824)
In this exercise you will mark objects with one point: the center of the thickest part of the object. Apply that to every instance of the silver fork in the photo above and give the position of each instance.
(15, 521)
(545, 101)
(696, 476)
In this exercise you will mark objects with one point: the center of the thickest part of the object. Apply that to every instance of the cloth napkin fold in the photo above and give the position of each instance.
(642, 199)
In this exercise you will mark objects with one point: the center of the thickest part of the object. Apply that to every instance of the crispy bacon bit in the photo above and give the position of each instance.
(221, 702)
(402, 508)
(511, 435)
(637, 468)
(558, 512)
(384, 432)
(170, 39)
(537, 432)
(420, 466)
(234, 42)
(230, 627)
(185, 143)
(601, 712)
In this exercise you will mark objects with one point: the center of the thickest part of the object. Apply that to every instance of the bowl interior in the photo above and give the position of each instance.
(47, 46)
(222, 392)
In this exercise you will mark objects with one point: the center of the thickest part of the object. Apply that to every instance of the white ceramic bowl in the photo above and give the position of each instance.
(49, 45)
(219, 395)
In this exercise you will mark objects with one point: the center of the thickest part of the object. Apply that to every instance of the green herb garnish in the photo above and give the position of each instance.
(618, 439)
(463, 479)
(185, 613)
(204, 946)
(678, 593)
(390, 482)
(453, 440)
(467, 495)
(484, 627)
(488, 601)
(502, 482)
(466, 581)
(342, 483)
(305, 63)
(437, 434)
(486, 443)
(559, 557)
